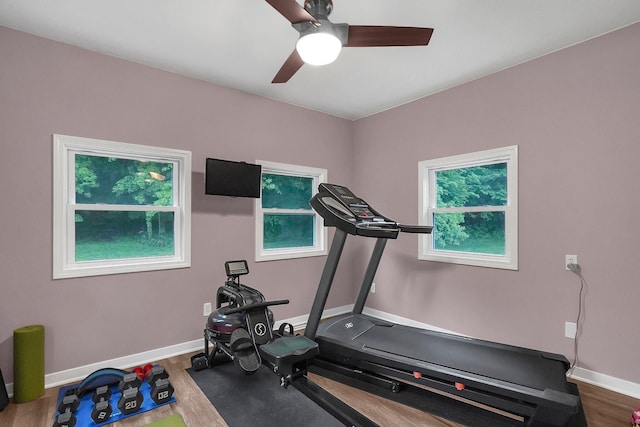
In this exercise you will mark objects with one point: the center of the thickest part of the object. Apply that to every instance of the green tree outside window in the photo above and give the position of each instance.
(481, 232)
(109, 234)
(290, 229)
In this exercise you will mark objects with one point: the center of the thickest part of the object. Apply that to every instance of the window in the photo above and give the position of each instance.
(119, 207)
(286, 225)
(471, 201)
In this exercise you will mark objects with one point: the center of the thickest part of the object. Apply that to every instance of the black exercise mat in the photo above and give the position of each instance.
(258, 399)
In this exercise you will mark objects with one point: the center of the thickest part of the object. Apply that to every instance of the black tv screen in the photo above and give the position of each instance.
(229, 178)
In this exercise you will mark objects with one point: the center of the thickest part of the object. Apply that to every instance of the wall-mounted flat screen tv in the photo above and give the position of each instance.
(229, 178)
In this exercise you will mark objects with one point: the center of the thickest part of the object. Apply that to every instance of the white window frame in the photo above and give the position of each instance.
(320, 232)
(427, 207)
(64, 206)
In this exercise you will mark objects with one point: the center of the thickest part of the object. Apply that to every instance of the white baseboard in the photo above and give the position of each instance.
(607, 382)
(77, 374)
(300, 322)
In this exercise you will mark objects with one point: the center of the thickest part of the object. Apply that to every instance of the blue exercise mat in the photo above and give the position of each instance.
(83, 413)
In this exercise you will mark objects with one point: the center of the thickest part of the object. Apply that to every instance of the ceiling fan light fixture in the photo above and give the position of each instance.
(319, 48)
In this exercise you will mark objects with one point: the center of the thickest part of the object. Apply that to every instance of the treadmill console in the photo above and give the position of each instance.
(342, 209)
(355, 206)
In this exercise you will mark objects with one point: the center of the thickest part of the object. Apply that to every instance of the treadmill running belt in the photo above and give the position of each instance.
(511, 364)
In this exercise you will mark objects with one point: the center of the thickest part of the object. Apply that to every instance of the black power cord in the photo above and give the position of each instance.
(575, 268)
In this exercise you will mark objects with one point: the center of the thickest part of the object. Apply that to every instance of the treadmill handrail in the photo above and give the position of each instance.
(417, 229)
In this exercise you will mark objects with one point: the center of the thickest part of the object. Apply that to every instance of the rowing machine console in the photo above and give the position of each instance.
(344, 210)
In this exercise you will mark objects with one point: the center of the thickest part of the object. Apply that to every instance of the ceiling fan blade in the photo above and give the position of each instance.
(375, 35)
(289, 68)
(291, 10)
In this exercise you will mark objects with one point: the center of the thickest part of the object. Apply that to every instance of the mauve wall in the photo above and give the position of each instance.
(48, 87)
(575, 116)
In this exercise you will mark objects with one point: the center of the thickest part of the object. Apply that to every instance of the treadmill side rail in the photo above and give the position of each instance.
(507, 391)
(343, 412)
(556, 408)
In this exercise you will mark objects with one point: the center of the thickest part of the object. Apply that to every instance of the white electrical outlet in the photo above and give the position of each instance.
(570, 259)
(373, 288)
(570, 330)
(206, 309)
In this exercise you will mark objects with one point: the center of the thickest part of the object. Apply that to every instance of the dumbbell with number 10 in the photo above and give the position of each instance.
(102, 409)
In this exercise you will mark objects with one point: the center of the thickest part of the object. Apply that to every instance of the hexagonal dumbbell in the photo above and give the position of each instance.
(131, 398)
(129, 380)
(68, 405)
(66, 419)
(130, 401)
(102, 409)
(157, 372)
(161, 391)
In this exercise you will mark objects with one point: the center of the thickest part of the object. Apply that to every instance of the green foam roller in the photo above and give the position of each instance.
(28, 363)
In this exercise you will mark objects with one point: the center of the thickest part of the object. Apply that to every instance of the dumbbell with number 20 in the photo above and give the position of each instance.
(131, 398)
(157, 377)
(161, 388)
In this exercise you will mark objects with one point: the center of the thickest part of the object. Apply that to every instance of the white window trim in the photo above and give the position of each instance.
(426, 186)
(320, 245)
(64, 264)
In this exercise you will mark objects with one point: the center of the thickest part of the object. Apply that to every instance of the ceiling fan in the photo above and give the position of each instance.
(313, 24)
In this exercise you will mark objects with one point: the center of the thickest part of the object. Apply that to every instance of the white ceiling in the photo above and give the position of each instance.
(242, 43)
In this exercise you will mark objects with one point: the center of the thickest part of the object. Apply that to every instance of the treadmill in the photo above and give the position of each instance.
(527, 383)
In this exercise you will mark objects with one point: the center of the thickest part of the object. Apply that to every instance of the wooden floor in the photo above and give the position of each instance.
(603, 408)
